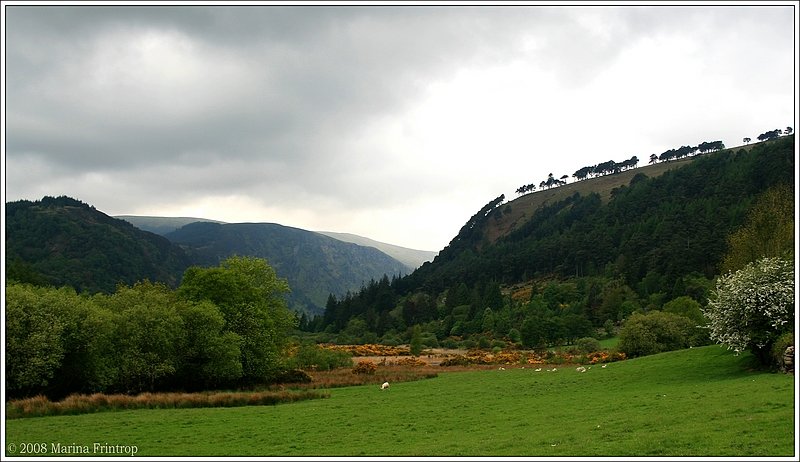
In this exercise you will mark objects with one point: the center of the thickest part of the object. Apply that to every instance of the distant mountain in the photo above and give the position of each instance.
(315, 265)
(161, 225)
(62, 241)
(410, 257)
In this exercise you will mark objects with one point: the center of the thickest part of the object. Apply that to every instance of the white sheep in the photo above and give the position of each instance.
(385, 386)
(580, 369)
(604, 366)
(501, 368)
(538, 369)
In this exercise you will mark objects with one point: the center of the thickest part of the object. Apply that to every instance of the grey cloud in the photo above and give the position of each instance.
(273, 101)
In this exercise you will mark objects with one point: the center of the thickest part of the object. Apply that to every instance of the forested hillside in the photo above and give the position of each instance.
(315, 265)
(579, 263)
(64, 242)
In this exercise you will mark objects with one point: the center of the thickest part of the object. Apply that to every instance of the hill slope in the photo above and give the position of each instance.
(410, 257)
(671, 224)
(315, 265)
(590, 252)
(62, 241)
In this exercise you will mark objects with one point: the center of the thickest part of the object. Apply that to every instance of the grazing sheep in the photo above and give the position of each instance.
(604, 366)
(554, 369)
(385, 386)
(538, 369)
(501, 368)
(580, 369)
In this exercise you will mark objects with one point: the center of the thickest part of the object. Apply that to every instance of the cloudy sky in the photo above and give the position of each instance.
(395, 123)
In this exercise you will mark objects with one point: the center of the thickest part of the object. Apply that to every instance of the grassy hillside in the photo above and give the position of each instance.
(698, 402)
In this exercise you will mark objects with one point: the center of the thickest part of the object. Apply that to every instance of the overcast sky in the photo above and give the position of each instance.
(394, 123)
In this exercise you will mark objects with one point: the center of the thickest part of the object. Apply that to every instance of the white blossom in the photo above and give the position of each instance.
(752, 306)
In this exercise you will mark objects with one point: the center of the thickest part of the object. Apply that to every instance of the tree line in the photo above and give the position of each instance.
(772, 134)
(224, 326)
(611, 166)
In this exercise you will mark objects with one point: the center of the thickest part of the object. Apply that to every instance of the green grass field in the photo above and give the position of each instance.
(696, 402)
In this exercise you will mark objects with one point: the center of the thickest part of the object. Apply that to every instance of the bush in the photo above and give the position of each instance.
(429, 340)
(310, 356)
(751, 308)
(293, 376)
(365, 367)
(654, 332)
(450, 343)
(588, 345)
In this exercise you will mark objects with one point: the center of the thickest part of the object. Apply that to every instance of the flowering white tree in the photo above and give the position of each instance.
(752, 307)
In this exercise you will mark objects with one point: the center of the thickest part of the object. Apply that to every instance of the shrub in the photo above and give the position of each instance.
(293, 376)
(455, 360)
(587, 345)
(654, 332)
(429, 340)
(598, 357)
(311, 356)
(450, 343)
(365, 367)
(752, 307)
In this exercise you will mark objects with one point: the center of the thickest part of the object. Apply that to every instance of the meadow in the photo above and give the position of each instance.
(696, 402)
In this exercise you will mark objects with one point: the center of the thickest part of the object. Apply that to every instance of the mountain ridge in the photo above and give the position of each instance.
(413, 258)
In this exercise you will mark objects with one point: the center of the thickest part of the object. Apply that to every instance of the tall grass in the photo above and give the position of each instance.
(38, 406)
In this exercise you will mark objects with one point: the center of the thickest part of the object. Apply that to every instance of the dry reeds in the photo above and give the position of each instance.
(81, 404)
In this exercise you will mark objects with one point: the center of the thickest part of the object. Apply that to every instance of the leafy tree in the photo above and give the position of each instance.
(250, 296)
(533, 333)
(752, 307)
(148, 335)
(210, 355)
(767, 232)
(34, 348)
(788, 131)
(686, 307)
(746, 140)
